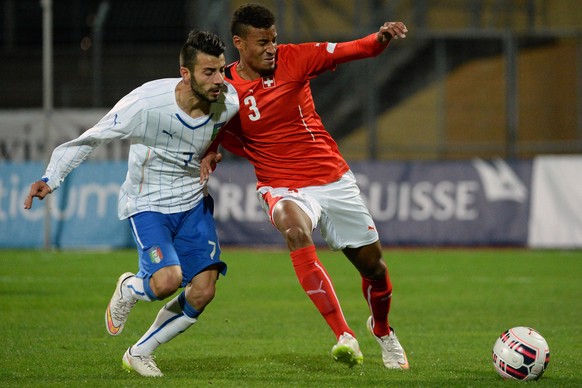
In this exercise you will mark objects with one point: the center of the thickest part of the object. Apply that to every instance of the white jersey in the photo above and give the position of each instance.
(166, 147)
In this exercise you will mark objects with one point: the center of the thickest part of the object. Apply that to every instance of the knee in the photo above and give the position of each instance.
(297, 237)
(200, 297)
(206, 295)
(166, 281)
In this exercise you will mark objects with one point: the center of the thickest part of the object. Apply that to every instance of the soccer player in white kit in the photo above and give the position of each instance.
(171, 123)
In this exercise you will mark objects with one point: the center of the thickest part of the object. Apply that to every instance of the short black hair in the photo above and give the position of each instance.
(254, 15)
(200, 41)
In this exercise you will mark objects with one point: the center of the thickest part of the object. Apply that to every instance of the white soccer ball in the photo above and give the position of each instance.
(521, 353)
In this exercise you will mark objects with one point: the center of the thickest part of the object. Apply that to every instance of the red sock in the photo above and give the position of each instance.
(317, 285)
(378, 294)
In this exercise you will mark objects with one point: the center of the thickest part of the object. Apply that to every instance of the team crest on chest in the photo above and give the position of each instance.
(268, 82)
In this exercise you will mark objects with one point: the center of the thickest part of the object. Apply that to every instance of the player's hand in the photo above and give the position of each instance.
(391, 30)
(208, 164)
(39, 190)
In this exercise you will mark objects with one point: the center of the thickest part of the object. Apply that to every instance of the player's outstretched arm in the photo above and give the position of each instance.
(391, 30)
(370, 45)
(38, 189)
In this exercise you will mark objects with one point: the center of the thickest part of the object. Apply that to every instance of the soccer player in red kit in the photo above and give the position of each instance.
(303, 180)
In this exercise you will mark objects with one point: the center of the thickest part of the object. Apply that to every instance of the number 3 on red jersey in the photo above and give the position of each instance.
(252, 104)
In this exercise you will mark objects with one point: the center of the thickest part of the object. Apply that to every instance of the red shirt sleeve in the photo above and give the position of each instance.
(229, 138)
(282, 135)
(317, 58)
(365, 47)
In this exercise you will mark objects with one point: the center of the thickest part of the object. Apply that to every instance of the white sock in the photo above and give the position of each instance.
(170, 322)
(133, 288)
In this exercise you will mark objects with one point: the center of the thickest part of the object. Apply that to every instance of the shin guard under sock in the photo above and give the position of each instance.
(378, 294)
(318, 286)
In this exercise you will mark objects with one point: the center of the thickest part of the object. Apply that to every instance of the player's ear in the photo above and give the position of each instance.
(185, 73)
(237, 42)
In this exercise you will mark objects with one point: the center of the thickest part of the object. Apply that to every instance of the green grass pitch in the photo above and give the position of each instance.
(449, 306)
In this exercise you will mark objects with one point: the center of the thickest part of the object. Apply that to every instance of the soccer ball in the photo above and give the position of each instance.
(521, 353)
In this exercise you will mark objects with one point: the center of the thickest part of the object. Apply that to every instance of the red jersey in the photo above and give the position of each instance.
(278, 129)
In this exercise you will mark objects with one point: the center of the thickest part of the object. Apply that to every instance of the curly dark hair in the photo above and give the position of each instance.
(254, 15)
(200, 41)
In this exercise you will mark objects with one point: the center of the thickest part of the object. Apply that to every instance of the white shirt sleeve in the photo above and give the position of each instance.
(122, 121)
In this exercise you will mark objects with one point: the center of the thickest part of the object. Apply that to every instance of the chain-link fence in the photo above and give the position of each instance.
(473, 77)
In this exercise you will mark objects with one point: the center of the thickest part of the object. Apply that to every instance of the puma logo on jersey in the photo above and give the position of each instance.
(168, 133)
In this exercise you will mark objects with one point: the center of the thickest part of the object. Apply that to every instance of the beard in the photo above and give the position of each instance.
(203, 95)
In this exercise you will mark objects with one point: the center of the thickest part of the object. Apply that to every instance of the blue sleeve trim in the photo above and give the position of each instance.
(44, 179)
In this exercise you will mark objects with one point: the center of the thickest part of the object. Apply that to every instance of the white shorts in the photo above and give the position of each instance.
(338, 208)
